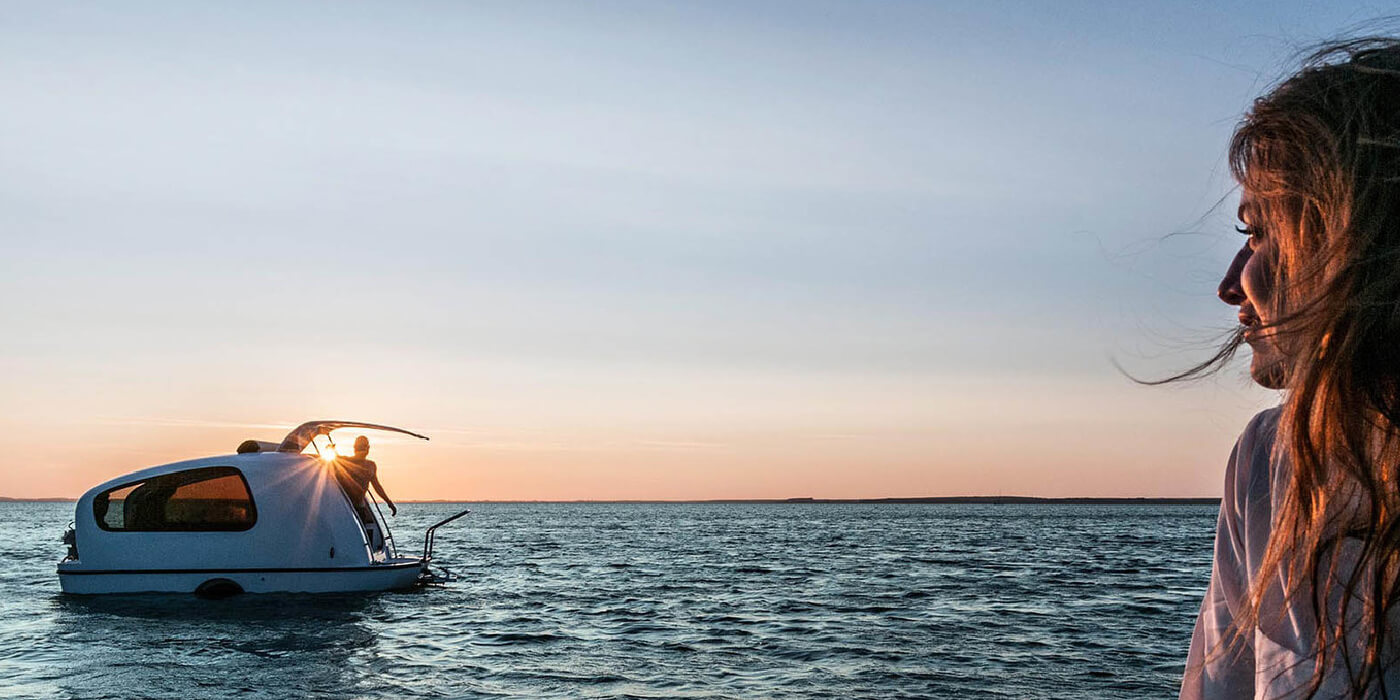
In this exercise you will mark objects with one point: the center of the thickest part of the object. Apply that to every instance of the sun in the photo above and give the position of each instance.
(328, 452)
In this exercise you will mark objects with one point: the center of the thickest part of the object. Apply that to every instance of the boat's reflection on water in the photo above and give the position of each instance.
(254, 609)
(164, 645)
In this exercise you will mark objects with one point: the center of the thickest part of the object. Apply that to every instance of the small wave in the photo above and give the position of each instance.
(508, 638)
(752, 570)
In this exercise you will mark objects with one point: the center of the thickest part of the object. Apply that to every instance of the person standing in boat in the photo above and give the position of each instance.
(356, 475)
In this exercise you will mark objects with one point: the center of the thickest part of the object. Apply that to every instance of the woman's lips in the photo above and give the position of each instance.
(1250, 322)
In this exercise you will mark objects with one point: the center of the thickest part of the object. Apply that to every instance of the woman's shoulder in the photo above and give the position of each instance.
(1252, 464)
(1263, 426)
(1256, 442)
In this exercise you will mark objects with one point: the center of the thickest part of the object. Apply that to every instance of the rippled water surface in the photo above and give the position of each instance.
(660, 600)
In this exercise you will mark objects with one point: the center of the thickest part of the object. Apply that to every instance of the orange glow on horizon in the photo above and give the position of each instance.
(973, 438)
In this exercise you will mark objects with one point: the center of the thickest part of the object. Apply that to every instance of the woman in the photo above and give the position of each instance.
(1303, 597)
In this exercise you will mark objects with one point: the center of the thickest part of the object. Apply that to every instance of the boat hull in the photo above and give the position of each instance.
(394, 574)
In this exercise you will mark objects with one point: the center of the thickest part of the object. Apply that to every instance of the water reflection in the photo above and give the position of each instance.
(169, 646)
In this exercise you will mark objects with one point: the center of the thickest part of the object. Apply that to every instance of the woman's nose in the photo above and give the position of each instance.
(1231, 291)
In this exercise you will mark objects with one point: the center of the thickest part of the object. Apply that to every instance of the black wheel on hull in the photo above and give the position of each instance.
(216, 588)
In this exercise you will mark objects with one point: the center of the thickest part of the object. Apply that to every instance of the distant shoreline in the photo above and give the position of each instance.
(990, 500)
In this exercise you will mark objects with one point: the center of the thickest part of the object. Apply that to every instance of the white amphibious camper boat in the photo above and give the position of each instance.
(271, 518)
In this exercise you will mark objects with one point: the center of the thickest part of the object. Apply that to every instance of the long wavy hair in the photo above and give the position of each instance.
(1319, 158)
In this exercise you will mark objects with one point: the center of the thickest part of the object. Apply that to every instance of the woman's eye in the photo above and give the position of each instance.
(1255, 235)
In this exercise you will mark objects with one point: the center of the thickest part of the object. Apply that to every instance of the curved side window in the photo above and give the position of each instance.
(195, 500)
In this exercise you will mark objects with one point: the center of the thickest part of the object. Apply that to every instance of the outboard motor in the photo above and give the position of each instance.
(70, 538)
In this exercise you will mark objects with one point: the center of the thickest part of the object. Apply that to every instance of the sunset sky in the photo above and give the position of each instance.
(632, 250)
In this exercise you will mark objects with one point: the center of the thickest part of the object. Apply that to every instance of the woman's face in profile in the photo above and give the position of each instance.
(1249, 285)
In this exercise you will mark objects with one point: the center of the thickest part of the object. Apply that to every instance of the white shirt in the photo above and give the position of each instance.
(1274, 660)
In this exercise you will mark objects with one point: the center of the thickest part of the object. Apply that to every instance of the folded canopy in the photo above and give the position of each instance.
(303, 434)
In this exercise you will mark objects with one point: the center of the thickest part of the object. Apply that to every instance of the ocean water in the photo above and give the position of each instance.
(659, 601)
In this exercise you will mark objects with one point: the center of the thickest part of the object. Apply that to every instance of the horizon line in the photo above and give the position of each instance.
(995, 500)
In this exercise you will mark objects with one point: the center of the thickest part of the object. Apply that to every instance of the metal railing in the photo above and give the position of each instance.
(429, 536)
(391, 548)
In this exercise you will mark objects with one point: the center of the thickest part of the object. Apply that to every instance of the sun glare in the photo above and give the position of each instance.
(327, 453)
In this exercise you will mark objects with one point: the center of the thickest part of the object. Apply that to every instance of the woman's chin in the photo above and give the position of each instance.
(1266, 373)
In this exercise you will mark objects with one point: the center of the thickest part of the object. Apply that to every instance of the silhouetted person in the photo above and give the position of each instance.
(356, 475)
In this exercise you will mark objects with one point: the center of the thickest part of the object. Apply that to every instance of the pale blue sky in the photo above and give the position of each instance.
(923, 226)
